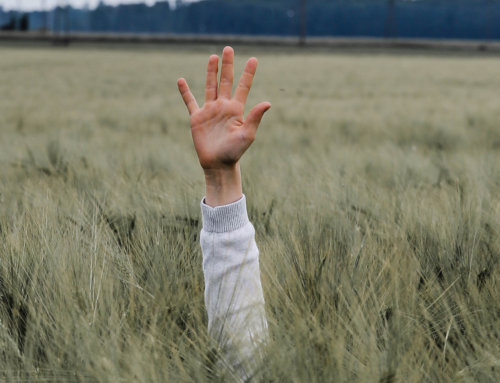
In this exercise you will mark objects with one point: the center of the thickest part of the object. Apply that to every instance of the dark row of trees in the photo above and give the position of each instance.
(16, 23)
(470, 19)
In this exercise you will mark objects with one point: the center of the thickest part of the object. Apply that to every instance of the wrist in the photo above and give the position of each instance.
(223, 185)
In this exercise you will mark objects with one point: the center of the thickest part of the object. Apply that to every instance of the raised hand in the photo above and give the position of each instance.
(220, 133)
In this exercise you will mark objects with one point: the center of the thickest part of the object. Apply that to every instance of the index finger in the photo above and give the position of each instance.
(245, 82)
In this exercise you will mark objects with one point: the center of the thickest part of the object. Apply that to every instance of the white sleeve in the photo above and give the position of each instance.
(233, 291)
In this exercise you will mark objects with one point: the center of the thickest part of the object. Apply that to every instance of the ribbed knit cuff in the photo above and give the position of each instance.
(225, 218)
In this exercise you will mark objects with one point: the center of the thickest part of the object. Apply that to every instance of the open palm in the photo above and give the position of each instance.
(220, 133)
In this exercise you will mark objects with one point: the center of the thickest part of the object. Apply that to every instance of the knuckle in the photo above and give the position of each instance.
(195, 119)
(248, 135)
(244, 86)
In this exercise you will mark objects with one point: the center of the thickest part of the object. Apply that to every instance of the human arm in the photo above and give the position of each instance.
(233, 291)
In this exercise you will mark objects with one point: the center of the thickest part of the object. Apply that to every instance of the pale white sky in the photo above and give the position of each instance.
(45, 4)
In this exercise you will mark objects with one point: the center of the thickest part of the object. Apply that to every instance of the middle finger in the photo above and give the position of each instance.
(226, 76)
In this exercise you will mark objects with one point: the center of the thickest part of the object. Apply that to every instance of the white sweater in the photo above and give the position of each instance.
(233, 291)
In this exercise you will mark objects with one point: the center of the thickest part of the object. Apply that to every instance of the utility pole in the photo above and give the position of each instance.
(18, 15)
(61, 23)
(66, 19)
(55, 19)
(489, 24)
(45, 17)
(390, 29)
(303, 23)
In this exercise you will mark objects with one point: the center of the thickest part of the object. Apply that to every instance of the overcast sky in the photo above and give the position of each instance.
(40, 4)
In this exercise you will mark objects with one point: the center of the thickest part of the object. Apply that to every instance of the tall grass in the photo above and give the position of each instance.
(373, 186)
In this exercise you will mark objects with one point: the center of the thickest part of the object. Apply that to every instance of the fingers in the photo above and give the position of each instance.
(245, 82)
(187, 96)
(255, 116)
(211, 84)
(226, 75)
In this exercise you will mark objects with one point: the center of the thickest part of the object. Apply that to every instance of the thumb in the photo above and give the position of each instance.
(255, 116)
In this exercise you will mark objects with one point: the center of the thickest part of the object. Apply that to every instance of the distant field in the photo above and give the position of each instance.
(374, 187)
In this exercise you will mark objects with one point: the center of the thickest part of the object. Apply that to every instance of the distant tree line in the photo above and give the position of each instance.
(460, 19)
(16, 22)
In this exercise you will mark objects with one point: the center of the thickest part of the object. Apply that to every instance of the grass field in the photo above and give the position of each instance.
(374, 187)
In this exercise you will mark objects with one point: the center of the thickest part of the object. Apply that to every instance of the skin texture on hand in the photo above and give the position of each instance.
(220, 133)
